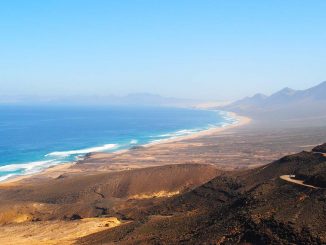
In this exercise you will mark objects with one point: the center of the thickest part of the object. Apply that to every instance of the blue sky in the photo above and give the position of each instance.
(209, 49)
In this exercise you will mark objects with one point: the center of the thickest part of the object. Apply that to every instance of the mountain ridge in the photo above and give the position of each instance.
(142, 99)
(286, 103)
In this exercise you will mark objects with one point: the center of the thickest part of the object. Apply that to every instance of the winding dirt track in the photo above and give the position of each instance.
(295, 181)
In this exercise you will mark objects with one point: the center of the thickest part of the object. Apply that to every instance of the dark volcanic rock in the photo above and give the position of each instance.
(318, 180)
(320, 148)
(136, 147)
(75, 217)
(252, 207)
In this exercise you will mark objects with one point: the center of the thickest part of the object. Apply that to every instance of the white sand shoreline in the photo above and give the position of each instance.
(240, 121)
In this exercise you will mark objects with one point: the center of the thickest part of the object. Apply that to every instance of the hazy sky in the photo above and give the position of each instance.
(215, 49)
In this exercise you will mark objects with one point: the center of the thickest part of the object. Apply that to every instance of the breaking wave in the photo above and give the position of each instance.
(26, 168)
(59, 157)
(63, 154)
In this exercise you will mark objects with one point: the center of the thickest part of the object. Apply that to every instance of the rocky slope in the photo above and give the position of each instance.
(247, 207)
(173, 204)
(96, 195)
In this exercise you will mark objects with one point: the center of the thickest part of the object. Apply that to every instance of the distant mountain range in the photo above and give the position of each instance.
(285, 104)
(153, 99)
(142, 99)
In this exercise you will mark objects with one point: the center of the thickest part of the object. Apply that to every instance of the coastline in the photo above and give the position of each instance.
(62, 168)
(240, 121)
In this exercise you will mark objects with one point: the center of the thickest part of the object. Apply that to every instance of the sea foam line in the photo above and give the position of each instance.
(2, 178)
(25, 168)
(228, 120)
(82, 151)
(34, 167)
(178, 133)
(37, 166)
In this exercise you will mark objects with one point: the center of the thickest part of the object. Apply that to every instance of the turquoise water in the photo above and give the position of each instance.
(34, 137)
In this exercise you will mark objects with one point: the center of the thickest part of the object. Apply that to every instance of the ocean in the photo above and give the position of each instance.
(33, 138)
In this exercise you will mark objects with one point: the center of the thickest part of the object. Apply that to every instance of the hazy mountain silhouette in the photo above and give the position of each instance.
(286, 103)
(142, 99)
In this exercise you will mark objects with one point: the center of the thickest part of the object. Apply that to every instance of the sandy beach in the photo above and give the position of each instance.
(240, 121)
(257, 144)
(108, 186)
(65, 168)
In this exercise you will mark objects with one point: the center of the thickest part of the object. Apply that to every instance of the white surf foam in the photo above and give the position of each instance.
(2, 178)
(37, 166)
(228, 119)
(133, 142)
(26, 168)
(182, 132)
(82, 151)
